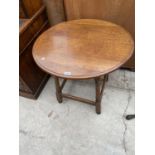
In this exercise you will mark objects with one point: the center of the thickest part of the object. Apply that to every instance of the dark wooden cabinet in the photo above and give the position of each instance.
(32, 22)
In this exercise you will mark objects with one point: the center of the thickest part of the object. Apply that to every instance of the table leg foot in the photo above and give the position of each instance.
(59, 98)
(98, 112)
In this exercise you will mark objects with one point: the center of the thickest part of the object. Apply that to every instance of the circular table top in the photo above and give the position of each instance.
(81, 49)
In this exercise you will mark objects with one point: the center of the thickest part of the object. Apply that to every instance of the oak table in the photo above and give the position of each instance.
(83, 49)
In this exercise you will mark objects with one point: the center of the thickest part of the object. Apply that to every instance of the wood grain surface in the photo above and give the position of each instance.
(81, 49)
(121, 12)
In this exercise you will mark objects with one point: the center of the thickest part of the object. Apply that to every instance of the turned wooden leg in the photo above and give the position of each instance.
(98, 101)
(99, 92)
(58, 89)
